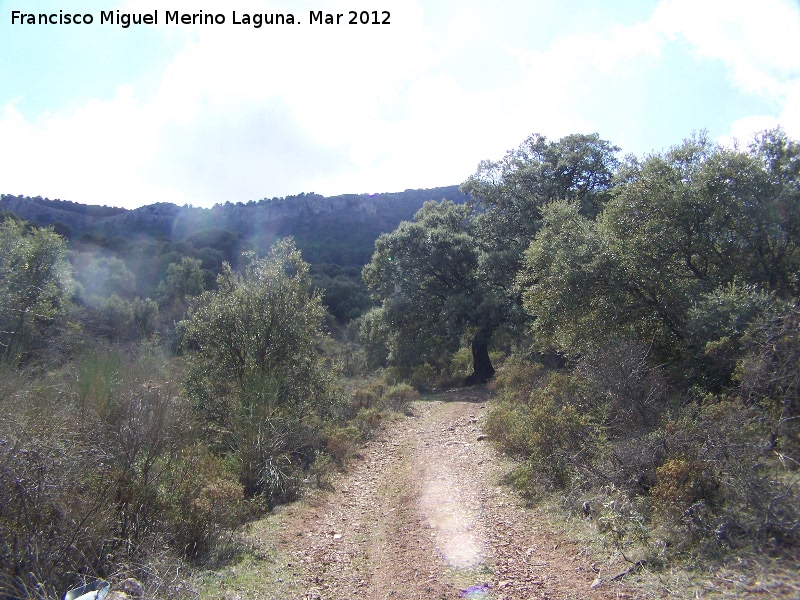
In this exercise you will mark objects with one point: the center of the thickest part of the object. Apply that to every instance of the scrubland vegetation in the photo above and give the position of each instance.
(134, 441)
(649, 307)
(638, 319)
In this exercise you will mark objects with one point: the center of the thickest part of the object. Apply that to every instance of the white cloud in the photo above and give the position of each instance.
(744, 130)
(577, 74)
(585, 80)
(94, 151)
(758, 41)
(241, 113)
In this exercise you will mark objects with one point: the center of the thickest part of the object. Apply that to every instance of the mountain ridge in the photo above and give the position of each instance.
(302, 216)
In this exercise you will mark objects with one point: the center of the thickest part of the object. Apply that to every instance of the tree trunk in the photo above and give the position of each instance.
(482, 369)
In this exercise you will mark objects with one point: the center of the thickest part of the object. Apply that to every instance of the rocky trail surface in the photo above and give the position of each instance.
(421, 514)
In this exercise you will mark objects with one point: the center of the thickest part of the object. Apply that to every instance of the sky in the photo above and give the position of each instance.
(205, 114)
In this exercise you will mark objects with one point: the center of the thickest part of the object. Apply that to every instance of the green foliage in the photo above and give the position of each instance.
(451, 371)
(114, 318)
(680, 483)
(86, 462)
(145, 314)
(769, 377)
(341, 442)
(96, 380)
(450, 272)
(716, 481)
(35, 284)
(664, 289)
(425, 275)
(343, 292)
(511, 193)
(368, 421)
(576, 168)
(679, 228)
(261, 321)
(369, 396)
(551, 429)
(201, 499)
(183, 280)
(399, 397)
(102, 274)
(629, 393)
(260, 385)
(374, 335)
(718, 321)
(570, 282)
(701, 475)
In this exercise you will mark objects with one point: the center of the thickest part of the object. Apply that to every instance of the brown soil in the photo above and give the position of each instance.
(423, 514)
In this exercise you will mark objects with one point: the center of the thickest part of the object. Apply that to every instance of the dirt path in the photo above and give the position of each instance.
(423, 515)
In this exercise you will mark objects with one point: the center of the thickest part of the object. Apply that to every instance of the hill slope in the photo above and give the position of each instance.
(337, 229)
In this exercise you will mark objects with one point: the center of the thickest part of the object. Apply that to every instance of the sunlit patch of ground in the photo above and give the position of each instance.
(453, 517)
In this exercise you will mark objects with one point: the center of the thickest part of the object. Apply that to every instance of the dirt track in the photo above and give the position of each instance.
(423, 515)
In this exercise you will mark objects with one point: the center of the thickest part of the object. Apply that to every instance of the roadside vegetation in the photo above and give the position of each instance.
(138, 435)
(649, 307)
(637, 318)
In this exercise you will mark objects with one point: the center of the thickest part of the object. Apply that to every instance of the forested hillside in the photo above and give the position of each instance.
(338, 229)
(336, 235)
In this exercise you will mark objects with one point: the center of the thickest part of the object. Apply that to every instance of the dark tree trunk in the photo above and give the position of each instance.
(482, 369)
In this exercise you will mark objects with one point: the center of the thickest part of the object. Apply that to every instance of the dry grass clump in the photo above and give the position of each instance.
(100, 476)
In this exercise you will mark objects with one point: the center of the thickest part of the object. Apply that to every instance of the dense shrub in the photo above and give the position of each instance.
(81, 465)
(259, 385)
(623, 385)
(341, 442)
(374, 336)
(202, 498)
(35, 287)
(368, 420)
(552, 428)
(369, 396)
(701, 472)
(399, 397)
(769, 375)
(56, 495)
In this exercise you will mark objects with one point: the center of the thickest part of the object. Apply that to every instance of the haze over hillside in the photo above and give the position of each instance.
(337, 229)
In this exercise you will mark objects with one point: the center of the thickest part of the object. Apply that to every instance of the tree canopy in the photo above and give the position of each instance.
(451, 271)
(35, 283)
(685, 233)
(427, 274)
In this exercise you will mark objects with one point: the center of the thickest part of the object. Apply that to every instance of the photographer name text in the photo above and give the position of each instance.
(174, 17)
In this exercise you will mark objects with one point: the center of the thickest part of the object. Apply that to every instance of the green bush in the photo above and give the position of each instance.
(57, 498)
(422, 377)
(368, 420)
(769, 376)
(341, 442)
(681, 483)
(398, 397)
(260, 386)
(374, 336)
(202, 498)
(623, 386)
(518, 379)
(35, 288)
(368, 396)
(551, 429)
